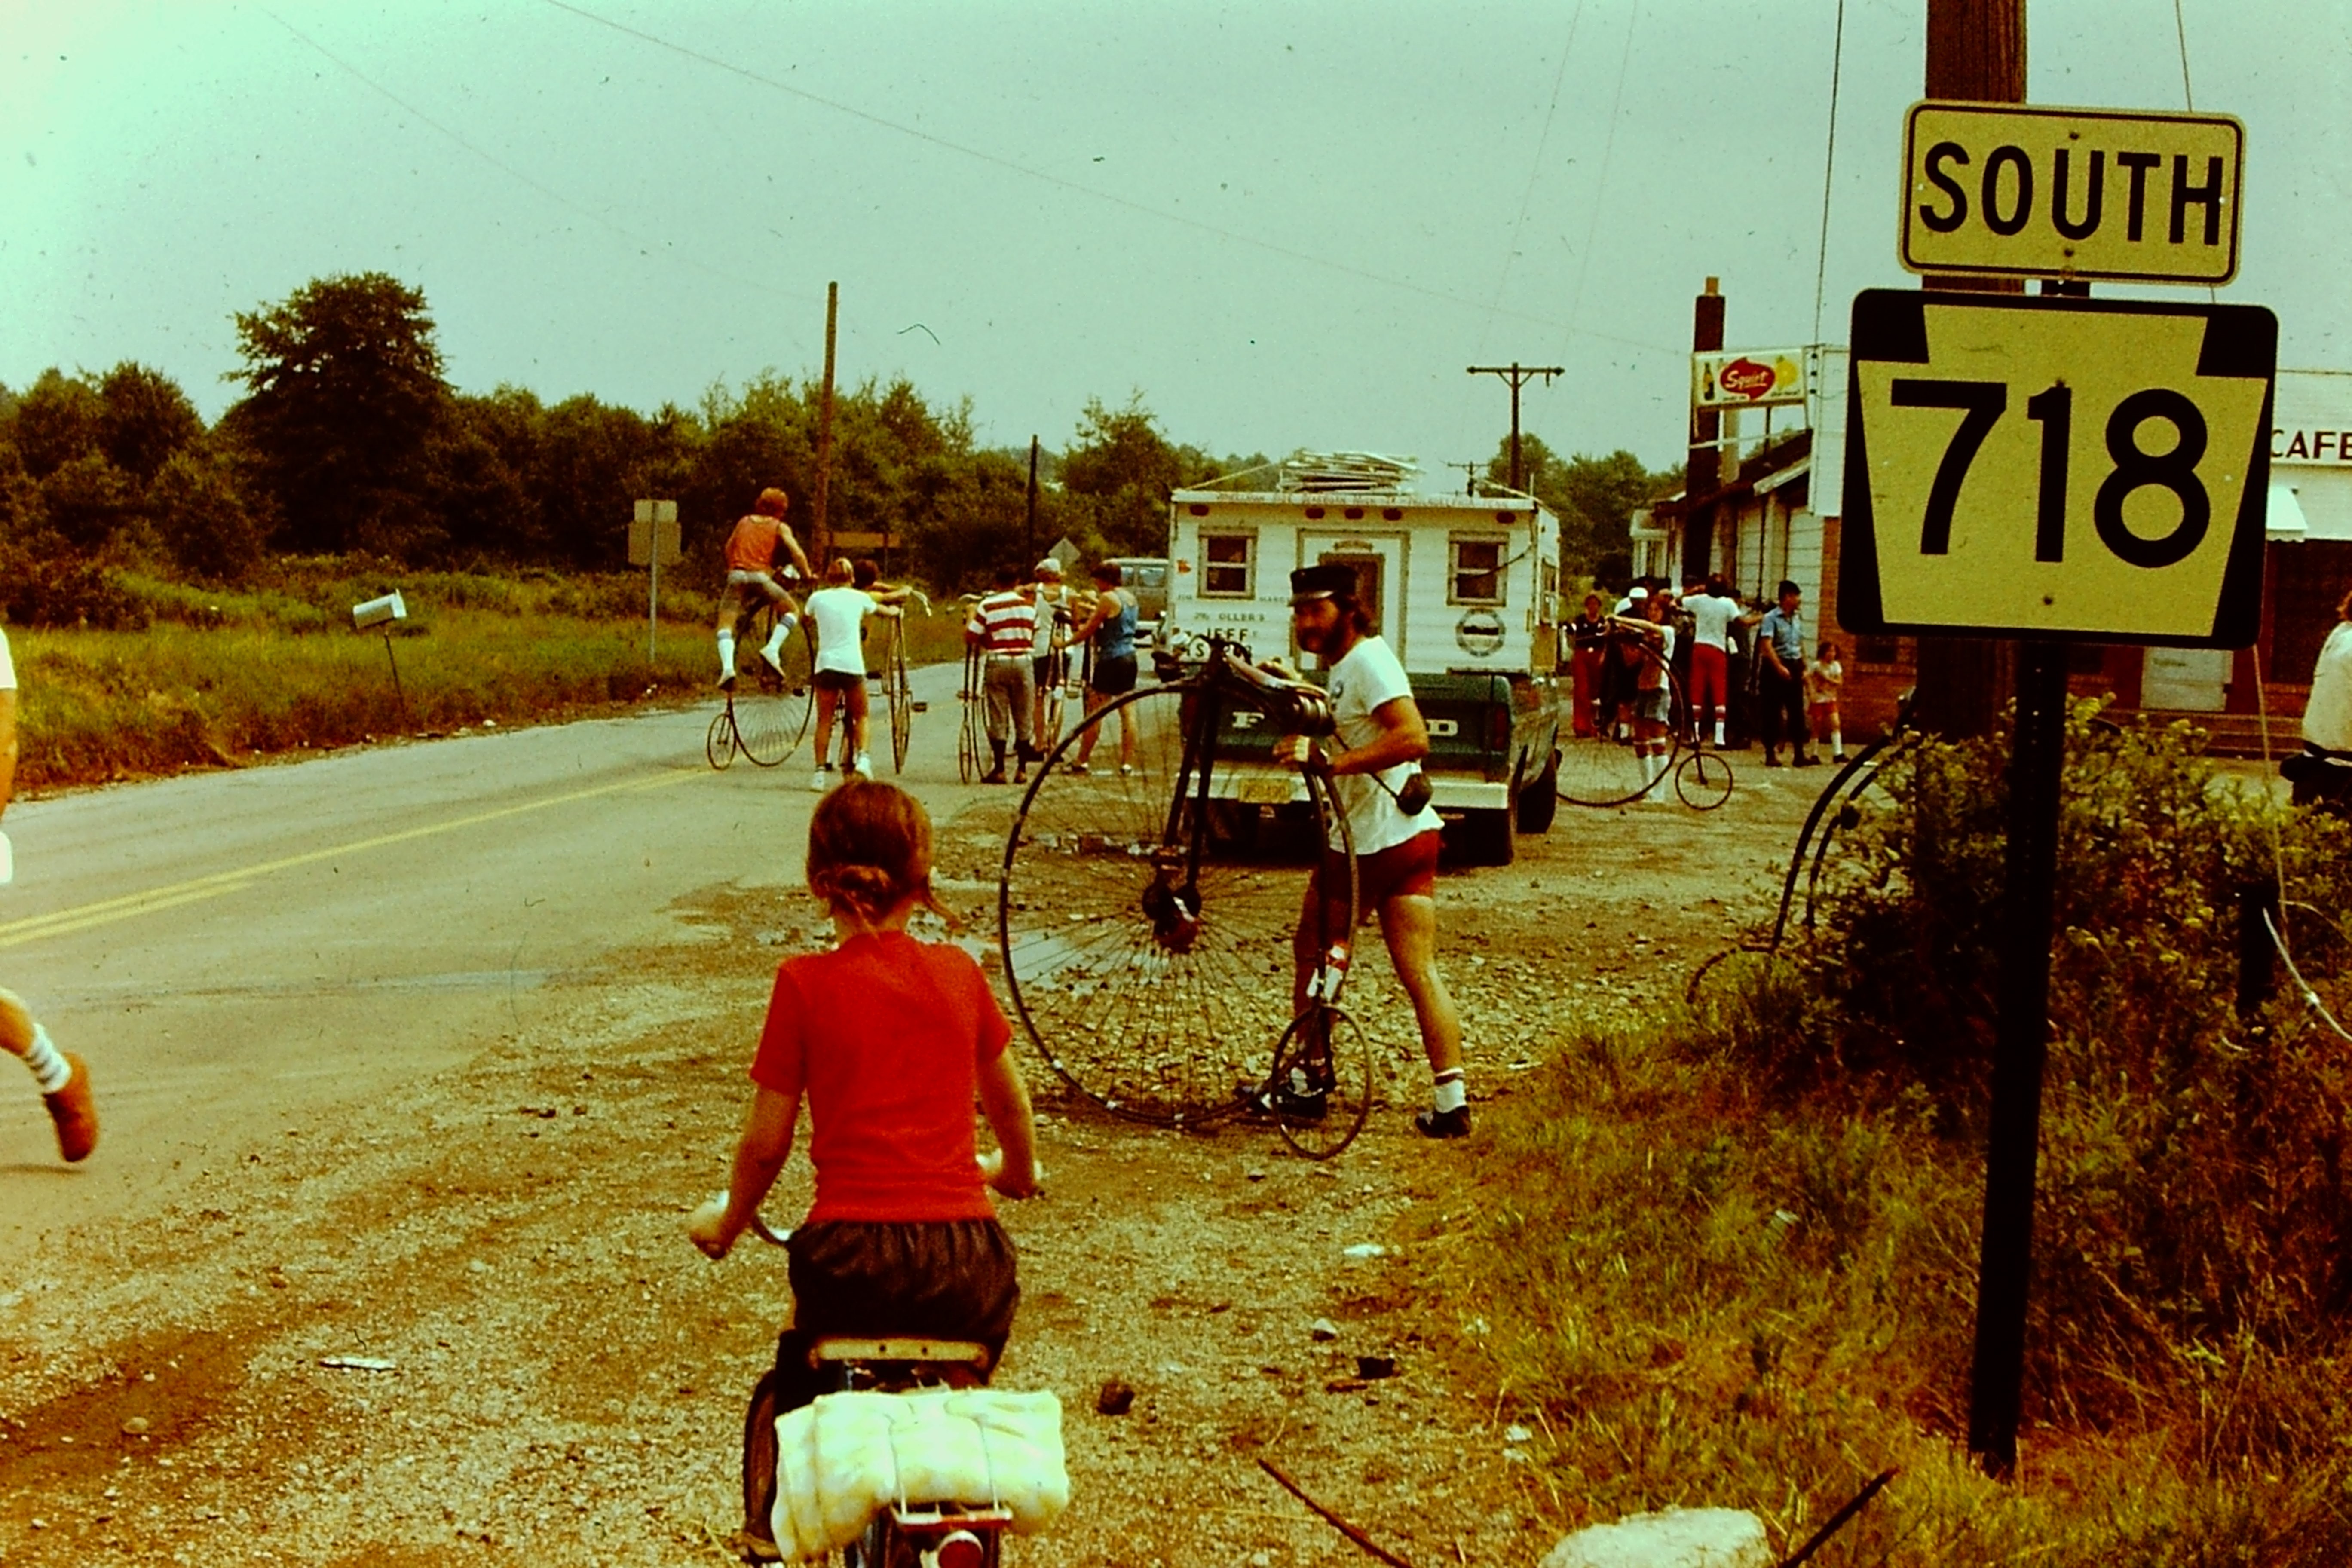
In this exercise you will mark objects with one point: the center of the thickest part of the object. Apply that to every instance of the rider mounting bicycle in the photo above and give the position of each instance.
(889, 1038)
(751, 583)
(838, 614)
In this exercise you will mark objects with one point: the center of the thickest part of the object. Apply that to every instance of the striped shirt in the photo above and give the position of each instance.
(1006, 623)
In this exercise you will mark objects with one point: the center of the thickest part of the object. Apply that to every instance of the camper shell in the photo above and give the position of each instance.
(1464, 588)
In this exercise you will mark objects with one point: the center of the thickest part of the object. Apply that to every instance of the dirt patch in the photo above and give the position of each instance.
(566, 1375)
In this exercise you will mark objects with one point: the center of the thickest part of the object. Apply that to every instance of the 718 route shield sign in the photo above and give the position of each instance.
(2056, 467)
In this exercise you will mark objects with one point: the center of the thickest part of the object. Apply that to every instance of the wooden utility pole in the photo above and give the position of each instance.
(1702, 468)
(1030, 544)
(1518, 375)
(818, 536)
(1975, 51)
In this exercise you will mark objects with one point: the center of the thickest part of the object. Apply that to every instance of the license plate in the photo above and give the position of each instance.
(1263, 788)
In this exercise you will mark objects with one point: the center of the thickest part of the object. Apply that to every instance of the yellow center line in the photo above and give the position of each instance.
(105, 911)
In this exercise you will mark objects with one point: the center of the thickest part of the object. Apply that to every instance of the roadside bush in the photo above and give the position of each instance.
(55, 588)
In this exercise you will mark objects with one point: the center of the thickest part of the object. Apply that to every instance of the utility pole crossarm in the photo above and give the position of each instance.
(1518, 375)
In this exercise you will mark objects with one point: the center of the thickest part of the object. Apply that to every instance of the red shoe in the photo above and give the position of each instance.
(75, 1113)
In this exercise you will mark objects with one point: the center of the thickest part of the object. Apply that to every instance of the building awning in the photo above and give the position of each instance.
(2283, 519)
(1796, 470)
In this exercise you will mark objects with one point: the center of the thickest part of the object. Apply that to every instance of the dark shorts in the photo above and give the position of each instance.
(1049, 669)
(1653, 704)
(1401, 871)
(1112, 677)
(942, 1279)
(838, 680)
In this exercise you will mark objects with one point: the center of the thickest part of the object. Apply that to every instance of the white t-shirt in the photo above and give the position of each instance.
(2327, 717)
(1711, 618)
(1369, 678)
(7, 666)
(1051, 596)
(839, 616)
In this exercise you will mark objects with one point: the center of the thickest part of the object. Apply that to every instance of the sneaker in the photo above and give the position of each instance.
(1127, 770)
(726, 681)
(1771, 760)
(863, 766)
(757, 1548)
(75, 1113)
(1806, 760)
(1080, 769)
(821, 782)
(773, 662)
(994, 775)
(1264, 1103)
(1454, 1123)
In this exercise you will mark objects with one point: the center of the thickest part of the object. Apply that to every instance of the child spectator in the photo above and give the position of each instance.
(1824, 678)
(889, 1039)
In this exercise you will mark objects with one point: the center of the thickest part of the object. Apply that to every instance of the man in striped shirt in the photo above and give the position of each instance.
(1004, 626)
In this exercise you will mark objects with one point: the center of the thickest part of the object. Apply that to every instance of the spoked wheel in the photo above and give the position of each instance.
(772, 710)
(718, 744)
(1704, 780)
(1054, 702)
(1322, 1082)
(899, 687)
(1603, 768)
(1155, 985)
(971, 745)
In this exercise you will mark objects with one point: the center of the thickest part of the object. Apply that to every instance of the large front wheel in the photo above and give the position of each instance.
(1638, 694)
(1149, 949)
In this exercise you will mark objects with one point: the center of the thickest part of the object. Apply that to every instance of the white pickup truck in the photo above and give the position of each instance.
(1464, 588)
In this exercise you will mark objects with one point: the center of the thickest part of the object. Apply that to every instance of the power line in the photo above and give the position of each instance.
(1028, 171)
(517, 174)
(1535, 169)
(1829, 167)
(1600, 191)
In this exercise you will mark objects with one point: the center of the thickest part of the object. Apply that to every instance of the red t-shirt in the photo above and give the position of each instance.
(753, 546)
(887, 1035)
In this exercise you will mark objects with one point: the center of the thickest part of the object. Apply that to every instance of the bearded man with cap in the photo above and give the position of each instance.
(1380, 736)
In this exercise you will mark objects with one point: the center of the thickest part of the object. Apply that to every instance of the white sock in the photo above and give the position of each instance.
(1719, 735)
(1447, 1091)
(51, 1071)
(1837, 741)
(726, 653)
(776, 637)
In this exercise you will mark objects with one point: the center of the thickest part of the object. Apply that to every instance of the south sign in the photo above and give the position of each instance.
(2011, 191)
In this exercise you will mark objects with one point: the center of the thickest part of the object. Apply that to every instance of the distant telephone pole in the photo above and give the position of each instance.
(825, 430)
(1518, 375)
(1031, 545)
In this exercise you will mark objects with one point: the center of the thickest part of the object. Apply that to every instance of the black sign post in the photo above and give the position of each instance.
(2058, 470)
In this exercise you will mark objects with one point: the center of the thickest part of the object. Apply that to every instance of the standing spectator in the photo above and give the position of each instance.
(1004, 626)
(1652, 694)
(838, 614)
(1111, 673)
(1048, 664)
(1380, 736)
(1616, 684)
(751, 583)
(2322, 773)
(63, 1079)
(1712, 610)
(1824, 677)
(1781, 645)
(1584, 635)
(1679, 617)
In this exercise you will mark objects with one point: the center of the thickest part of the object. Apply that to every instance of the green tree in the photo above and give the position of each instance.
(143, 418)
(346, 391)
(1120, 469)
(57, 420)
(203, 518)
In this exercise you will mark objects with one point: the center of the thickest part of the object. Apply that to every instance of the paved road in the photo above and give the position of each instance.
(229, 949)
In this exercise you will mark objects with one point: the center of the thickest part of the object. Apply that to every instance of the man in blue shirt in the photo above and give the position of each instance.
(1780, 643)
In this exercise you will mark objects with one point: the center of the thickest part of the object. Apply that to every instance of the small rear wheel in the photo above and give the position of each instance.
(718, 744)
(1322, 1082)
(1704, 780)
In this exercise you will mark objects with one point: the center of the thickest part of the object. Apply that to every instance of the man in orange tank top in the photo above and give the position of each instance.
(751, 583)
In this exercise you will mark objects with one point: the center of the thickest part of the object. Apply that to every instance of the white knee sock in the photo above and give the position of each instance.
(1447, 1091)
(726, 653)
(1837, 741)
(784, 624)
(51, 1071)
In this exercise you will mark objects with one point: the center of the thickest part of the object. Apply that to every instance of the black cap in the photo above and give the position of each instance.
(1322, 581)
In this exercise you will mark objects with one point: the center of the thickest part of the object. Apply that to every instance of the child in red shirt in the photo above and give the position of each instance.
(889, 1039)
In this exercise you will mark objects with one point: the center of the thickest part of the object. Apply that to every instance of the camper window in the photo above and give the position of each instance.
(1477, 571)
(1228, 558)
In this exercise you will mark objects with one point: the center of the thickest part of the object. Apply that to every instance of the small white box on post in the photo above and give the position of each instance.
(383, 611)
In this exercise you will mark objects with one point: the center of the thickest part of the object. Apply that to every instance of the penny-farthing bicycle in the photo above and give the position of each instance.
(1604, 767)
(1148, 926)
(767, 709)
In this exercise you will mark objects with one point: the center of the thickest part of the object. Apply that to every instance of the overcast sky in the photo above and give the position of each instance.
(1284, 225)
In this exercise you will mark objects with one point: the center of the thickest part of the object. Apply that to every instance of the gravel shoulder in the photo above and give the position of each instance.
(564, 1375)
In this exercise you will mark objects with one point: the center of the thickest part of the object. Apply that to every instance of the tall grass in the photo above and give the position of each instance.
(1733, 1260)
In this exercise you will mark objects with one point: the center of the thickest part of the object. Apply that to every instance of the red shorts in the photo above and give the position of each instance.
(1401, 871)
